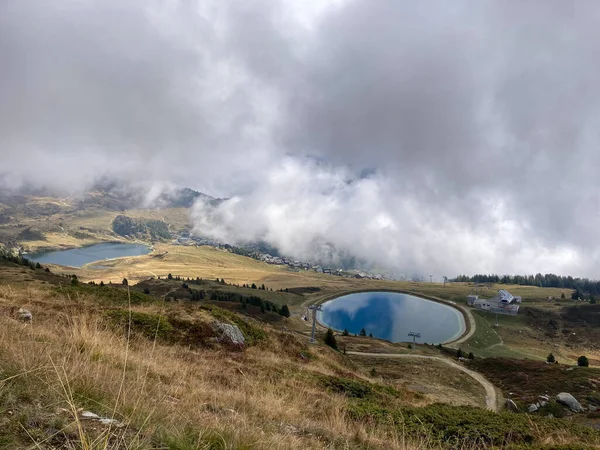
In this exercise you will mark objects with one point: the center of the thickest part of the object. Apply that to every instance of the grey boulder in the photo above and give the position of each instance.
(229, 334)
(566, 399)
(533, 408)
(24, 315)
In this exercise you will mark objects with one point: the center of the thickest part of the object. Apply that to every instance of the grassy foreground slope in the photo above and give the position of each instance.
(157, 368)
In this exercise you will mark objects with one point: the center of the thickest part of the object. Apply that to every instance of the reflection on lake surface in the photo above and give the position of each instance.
(77, 257)
(391, 316)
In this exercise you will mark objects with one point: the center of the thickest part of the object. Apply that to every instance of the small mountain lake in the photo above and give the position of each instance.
(78, 257)
(391, 316)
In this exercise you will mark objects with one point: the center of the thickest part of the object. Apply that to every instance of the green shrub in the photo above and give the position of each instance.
(284, 311)
(582, 361)
(550, 358)
(470, 427)
(552, 408)
(330, 339)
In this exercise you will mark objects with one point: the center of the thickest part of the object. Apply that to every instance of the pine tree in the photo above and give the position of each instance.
(582, 361)
(370, 334)
(170, 277)
(550, 358)
(253, 286)
(330, 339)
(471, 355)
(459, 353)
(345, 333)
(125, 283)
(284, 311)
(362, 332)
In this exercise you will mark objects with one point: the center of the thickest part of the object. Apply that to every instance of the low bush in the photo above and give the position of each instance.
(456, 426)
(105, 293)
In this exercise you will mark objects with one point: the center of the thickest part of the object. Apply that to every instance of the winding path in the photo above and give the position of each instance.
(491, 399)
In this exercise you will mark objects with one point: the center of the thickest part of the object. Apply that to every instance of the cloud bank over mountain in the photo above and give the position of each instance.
(427, 137)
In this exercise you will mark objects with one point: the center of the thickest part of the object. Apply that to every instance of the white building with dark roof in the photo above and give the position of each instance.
(503, 303)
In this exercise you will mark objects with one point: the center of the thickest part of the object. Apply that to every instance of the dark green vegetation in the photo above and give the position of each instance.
(141, 229)
(582, 361)
(180, 288)
(465, 426)
(450, 426)
(526, 380)
(330, 339)
(116, 294)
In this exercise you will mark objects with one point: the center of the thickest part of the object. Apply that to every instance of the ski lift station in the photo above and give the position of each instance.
(503, 303)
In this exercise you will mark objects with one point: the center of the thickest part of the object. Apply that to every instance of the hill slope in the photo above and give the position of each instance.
(158, 368)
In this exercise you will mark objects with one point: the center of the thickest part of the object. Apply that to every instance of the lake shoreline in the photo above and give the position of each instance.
(469, 325)
(38, 256)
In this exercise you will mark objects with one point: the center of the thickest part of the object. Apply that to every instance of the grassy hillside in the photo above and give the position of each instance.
(157, 368)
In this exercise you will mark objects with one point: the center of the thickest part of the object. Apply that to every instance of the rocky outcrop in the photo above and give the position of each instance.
(566, 399)
(229, 334)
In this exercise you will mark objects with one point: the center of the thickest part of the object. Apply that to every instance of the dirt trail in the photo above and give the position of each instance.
(491, 400)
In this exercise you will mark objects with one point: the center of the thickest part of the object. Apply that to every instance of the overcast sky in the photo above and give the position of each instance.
(427, 137)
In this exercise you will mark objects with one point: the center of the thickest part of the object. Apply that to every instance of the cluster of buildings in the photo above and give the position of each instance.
(186, 239)
(503, 303)
(300, 265)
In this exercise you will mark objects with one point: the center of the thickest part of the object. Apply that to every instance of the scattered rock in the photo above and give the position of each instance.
(111, 422)
(533, 408)
(564, 398)
(229, 334)
(593, 408)
(542, 403)
(88, 415)
(511, 405)
(24, 315)
(544, 398)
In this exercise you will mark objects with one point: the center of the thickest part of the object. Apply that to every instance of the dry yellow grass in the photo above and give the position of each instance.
(257, 399)
(173, 396)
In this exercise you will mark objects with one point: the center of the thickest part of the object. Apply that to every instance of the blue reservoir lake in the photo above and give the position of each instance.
(78, 257)
(391, 316)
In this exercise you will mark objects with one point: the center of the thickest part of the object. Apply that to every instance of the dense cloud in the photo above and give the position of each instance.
(425, 137)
